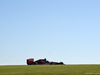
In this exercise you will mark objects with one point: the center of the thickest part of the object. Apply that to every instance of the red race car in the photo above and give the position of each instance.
(42, 62)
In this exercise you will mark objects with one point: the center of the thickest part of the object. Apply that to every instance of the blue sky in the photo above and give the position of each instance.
(59, 30)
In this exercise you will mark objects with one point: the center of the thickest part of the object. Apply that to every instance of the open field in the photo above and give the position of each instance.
(50, 70)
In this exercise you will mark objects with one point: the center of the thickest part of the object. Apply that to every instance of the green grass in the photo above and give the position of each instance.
(50, 70)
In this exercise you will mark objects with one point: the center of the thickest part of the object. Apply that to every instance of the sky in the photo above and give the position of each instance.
(59, 30)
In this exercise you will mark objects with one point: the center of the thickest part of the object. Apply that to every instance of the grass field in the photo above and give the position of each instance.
(50, 70)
